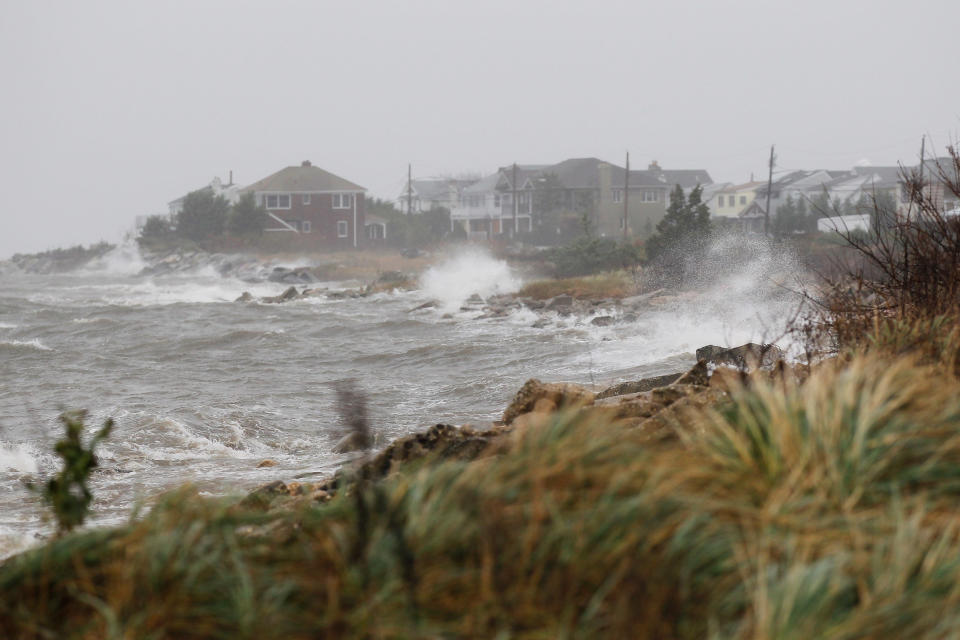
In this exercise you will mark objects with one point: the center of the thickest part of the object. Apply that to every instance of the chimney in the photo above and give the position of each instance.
(654, 166)
(305, 163)
(230, 184)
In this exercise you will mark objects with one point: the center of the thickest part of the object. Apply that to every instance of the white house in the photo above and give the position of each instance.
(230, 191)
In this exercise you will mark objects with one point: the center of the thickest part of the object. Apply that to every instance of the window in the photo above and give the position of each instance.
(277, 201)
(342, 228)
(617, 195)
(649, 195)
(743, 199)
(719, 201)
(342, 201)
(306, 227)
(306, 198)
(496, 199)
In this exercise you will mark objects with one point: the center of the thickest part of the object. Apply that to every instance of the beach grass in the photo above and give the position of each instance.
(827, 508)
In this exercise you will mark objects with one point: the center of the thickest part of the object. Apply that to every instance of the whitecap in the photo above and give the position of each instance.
(25, 344)
(18, 457)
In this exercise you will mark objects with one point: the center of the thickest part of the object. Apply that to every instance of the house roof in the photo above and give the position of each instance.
(485, 184)
(687, 178)
(752, 210)
(436, 188)
(303, 179)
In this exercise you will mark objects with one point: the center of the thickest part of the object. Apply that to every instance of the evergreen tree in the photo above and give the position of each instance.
(247, 217)
(204, 215)
(684, 230)
(786, 219)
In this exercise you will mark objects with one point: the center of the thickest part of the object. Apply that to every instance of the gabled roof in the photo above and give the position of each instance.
(687, 178)
(525, 172)
(753, 210)
(580, 173)
(305, 178)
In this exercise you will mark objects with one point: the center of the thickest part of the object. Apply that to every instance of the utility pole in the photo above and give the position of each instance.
(766, 211)
(409, 190)
(626, 196)
(516, 230)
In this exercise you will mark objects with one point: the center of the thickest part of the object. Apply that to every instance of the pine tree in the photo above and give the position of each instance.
(247, 217)
(684, 230)
(204, 215)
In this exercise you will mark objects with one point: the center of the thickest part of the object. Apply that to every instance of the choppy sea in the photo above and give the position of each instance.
(203, 388)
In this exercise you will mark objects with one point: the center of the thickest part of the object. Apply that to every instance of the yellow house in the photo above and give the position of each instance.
(731, 201)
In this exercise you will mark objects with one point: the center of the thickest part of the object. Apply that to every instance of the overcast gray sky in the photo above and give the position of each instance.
(111, 109)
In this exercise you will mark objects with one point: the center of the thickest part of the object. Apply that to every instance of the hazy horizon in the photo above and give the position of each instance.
(113, 109)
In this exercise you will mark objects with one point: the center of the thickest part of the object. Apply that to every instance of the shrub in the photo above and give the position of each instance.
(590, 254)
(67, 492)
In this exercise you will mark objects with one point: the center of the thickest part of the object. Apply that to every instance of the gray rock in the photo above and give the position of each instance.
(638, 386)
(286, 296)
(602, 321)
(562, 302)
(745, 356)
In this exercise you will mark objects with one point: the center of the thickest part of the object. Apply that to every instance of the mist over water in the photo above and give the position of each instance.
(203, 388)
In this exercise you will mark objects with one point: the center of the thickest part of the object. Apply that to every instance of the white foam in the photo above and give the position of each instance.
(17, 457)
(25, 344)
(470, 272)
(123, 260)
(7, 325)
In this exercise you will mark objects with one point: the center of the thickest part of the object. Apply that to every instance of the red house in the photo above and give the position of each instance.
(308, 200)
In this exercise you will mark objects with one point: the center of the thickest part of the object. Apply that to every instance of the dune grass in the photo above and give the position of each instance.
(610, 284)
(827, 509)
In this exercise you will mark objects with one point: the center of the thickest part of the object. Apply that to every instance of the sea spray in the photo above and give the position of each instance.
(124, 259)
(471, 272)
(743, 294)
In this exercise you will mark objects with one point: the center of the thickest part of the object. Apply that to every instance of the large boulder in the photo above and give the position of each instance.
(545, 398)
(286, 296)
(745, 356)
(636, 386)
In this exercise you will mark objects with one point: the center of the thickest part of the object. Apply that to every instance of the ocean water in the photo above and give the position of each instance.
(203, 388)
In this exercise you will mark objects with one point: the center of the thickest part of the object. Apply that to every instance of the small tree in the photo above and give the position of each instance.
(157, 226)
(203, 216)
(67, 492)
(247, 217)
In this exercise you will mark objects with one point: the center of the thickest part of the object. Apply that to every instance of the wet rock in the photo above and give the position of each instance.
(286, 296)
(545, 398)
(602, 321)
(443, 440)
(636, 386)
(698, 375)
(266, 463)
(245, 297)
(561, 303)
(745, 356)
(426, 305)
(540, 324)
(352, 442)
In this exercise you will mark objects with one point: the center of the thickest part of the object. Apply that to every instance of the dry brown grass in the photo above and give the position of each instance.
(612, 284)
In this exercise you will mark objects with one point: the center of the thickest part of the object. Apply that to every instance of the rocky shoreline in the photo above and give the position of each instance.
(654, 406)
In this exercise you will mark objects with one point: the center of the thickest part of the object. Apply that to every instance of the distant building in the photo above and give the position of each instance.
(306, 199)
(844, 224)
(430, 194)
(732, 200)
(230, 191)
(574, 188)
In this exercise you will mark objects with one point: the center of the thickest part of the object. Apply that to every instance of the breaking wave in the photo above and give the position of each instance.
(471, 272)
